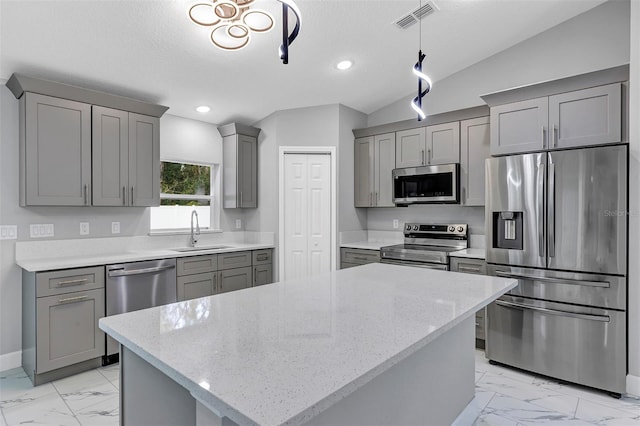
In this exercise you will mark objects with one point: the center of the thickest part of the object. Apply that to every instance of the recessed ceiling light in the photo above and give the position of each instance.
(203, 109)
(344, 65)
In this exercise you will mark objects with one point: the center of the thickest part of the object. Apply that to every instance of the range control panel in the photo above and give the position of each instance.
(439, 229)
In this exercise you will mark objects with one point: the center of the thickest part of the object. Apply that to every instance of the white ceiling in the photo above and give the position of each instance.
(151, 51)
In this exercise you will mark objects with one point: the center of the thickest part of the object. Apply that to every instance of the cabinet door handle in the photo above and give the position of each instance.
(254, 275)
(72, 299)
(263, 256)
(422, 154)
(364, 259)
(72, 282)
(554, 134)
(472, 270)
(124, 196)
(131, 200)
(544, 145)
(428, 156)
(371, 198)
(85, 194)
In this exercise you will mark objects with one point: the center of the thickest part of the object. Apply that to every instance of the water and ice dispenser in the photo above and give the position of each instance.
(507, 230)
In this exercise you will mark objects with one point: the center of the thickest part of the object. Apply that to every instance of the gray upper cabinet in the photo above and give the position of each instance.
(475, 148)
(144, 160)
(374, 161)
(411, 148)
(82, 147)
(126, 158)
(431, 145)
(384, 162)
(110, 156)
(363, 172)
(443, 143)
(240, 168)
(586, 117)
(519, 126)
(55, 151)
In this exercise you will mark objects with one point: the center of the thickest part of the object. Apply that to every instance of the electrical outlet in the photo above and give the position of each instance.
(8, 232)
(238, 223)
(41, 230)
(396, 224)
(84, 228)
(115, 227)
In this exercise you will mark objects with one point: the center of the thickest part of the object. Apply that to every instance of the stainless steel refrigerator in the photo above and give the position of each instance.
(557, 221)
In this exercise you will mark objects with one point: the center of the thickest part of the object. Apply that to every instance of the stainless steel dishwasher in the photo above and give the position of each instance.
(138, 285)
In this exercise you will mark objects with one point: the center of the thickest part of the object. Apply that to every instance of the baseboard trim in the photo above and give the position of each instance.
(633, 385)
(10, 360)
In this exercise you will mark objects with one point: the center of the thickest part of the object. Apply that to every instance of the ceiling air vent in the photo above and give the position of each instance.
(415, 15)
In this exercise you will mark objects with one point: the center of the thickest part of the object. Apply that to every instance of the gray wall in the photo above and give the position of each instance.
(327, 125)
(181, 139)
(596, 39)
(634, 199)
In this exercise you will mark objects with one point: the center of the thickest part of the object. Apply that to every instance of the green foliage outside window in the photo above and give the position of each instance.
(185, 179)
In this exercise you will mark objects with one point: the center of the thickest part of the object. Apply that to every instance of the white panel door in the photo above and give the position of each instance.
(307, 215)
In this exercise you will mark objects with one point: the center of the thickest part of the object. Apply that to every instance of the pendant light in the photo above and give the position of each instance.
(416, 103)
(287, 38)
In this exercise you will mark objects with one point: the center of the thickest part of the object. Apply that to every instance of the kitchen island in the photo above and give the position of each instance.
(376, 344)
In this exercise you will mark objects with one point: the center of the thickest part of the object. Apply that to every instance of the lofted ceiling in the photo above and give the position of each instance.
(151, 51)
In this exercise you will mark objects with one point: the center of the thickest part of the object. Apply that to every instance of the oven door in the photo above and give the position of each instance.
(427, 184)
(427, 265)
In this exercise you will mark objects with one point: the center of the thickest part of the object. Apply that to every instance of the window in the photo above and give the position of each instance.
(184, 187)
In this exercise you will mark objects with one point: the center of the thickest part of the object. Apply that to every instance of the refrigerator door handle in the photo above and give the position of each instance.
(551, 221)
(540, 209)
(602, 318)
(603, 284)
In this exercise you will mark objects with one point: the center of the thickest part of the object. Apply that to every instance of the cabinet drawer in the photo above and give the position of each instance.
(69, 280)
(469, 266)
(197, 264)
(262, 257)
(239, 259)
(359, 256)
(67, 329)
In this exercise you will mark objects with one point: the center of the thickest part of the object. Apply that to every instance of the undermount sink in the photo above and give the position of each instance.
(201, 248)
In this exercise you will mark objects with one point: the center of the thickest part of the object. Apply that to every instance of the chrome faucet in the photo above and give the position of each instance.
(194, 236)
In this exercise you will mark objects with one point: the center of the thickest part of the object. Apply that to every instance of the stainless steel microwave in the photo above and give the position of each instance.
(427, 184)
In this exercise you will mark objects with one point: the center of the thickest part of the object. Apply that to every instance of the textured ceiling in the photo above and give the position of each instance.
(151, 51)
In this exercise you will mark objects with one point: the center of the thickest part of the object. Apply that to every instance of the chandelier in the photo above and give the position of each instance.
(424, 82)
(233, 22)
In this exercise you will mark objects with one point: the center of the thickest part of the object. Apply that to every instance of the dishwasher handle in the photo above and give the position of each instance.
(125, 273)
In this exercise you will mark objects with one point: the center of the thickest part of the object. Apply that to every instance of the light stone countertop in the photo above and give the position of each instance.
(473, 253)
(284, 352)
(107, 258)
(367, 245)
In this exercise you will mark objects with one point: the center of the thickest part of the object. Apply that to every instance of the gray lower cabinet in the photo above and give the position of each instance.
(262, 267)
(475, 145)
(350, 257)
(206, 275)
(473, 266)
(197, 285)
(235, 279)
(60, 313)
(262, 274)
(55, 151)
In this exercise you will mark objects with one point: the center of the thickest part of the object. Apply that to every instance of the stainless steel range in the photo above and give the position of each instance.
(427, 245)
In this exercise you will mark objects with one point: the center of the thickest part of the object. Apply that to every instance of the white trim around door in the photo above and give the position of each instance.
(331, 151)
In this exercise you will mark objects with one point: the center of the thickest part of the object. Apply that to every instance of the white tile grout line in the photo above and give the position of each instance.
(65, 403)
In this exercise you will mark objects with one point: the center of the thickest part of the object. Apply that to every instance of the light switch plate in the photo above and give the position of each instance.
(238, 223)
(395, 224)
(115, 227)
(8, 232)
(41, 230)
(84, 228)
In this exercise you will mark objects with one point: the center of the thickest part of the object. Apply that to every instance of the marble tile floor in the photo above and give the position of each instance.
(503, 397)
